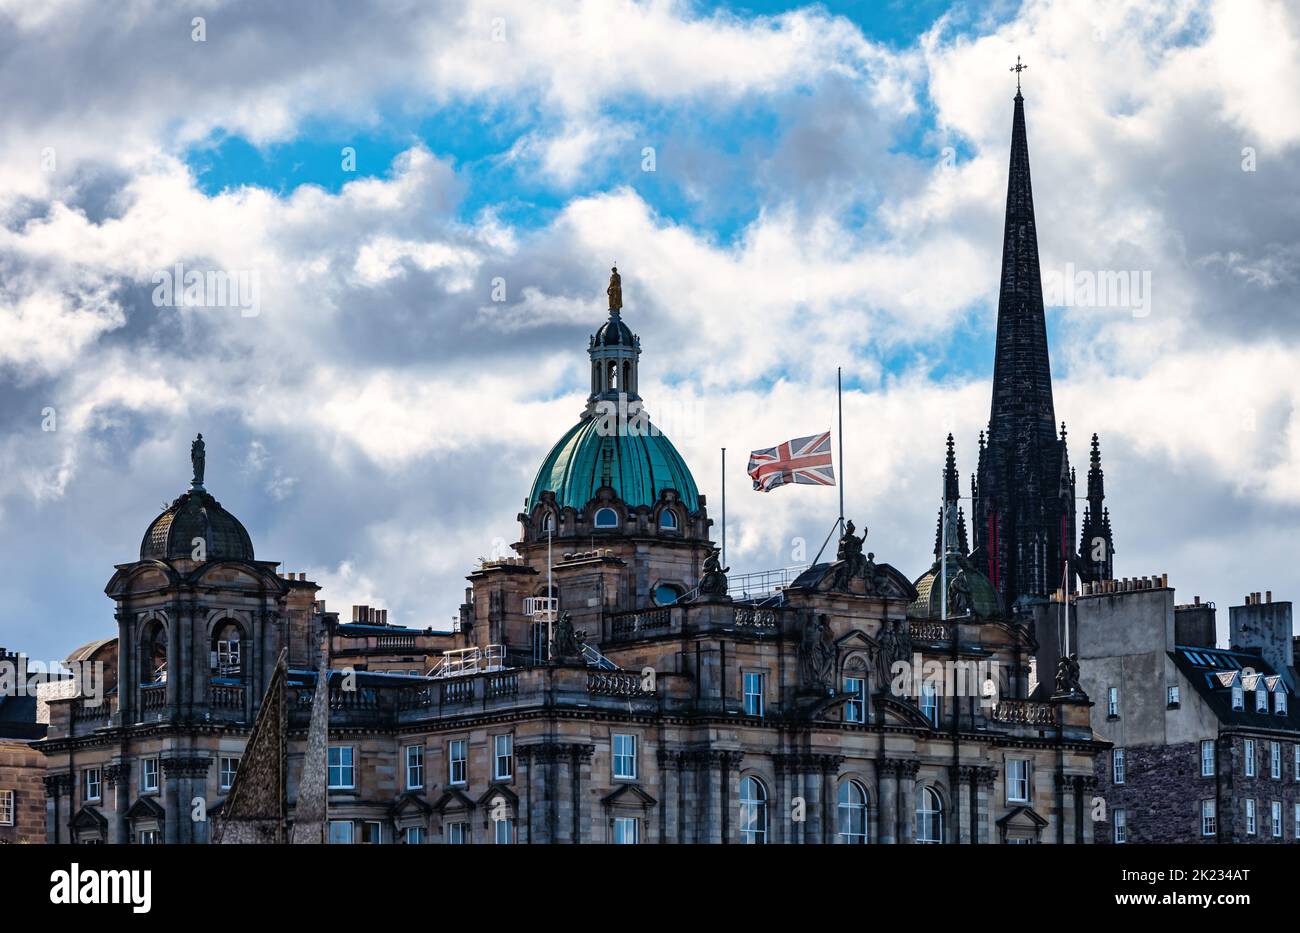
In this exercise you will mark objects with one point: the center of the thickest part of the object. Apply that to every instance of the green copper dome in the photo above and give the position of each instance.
(965, 585)
(638, 467)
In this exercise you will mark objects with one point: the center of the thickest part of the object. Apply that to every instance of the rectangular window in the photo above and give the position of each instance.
(625, 757)
(1171, 697)
(93, 784)
(457, 761)
(458, 833)
(754, 694)
(1207, 758)
(627, 831)
(413, 835)
(414, 767)
(1117, 765)
(372, 833)
(1112, 702)
(1296, 750)
(7, 808)
(342, 767)
(1121, 826)
(1252, 823)
(148, 837)
(229, 764)
(1238, 699)
(503, 831)
(340, 832)
(1208, 822)
(1279, 703)
(503, 757)
(1275, 760)
(148, 775)
(855, 710)
(1261, 700)
(1275, 819)
(1249, 755)
(1018, 780)
(1297, 821)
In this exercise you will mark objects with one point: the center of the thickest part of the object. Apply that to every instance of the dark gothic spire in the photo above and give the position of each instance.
(950, 491)
(951, 496)
(1024, 514)
(1022, 375)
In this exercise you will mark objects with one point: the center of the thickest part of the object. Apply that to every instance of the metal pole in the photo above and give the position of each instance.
(724, 506)
(550, 589)
(839, 408)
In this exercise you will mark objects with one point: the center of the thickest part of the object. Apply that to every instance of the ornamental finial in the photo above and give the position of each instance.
(1017, 68)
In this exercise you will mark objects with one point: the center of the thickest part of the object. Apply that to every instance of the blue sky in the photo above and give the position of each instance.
(827, 191)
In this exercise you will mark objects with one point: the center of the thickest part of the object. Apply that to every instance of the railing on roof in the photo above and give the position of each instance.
(762, 584)
(470, 661)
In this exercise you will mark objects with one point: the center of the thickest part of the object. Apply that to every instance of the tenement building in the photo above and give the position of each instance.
(22, 767)
(1206, 739)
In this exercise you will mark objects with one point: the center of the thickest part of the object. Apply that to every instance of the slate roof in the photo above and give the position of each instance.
(1212, 671)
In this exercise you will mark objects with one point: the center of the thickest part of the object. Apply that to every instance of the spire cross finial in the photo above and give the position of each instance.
(1017, 68)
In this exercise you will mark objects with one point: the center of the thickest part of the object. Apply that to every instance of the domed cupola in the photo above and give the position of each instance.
(614, 445)
(171, 536)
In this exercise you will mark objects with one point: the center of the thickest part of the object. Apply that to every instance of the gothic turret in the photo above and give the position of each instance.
(951, 495)
(1096, 546)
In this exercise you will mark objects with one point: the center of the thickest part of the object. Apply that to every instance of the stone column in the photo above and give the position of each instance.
(184, 777)
(580, 760)
(887, 794)
(810, 766)
(1065, 803)
(728, 805)
(562, 795)
(1088, 787)
(56, 786)
(710, 777)
(962, 792)
(524, 818)
(670, 763)
(118, 775)
(779, 825)
(983, 795)
(907, 801)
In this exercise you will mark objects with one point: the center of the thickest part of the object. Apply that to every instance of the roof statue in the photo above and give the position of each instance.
(198, 458)
(615, 290)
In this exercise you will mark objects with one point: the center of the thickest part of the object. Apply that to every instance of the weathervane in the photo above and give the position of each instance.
(1017, 68)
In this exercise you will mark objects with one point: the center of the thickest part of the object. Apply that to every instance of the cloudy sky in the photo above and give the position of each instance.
(786, 189)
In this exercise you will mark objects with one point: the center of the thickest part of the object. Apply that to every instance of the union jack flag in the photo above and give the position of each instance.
(804, 460)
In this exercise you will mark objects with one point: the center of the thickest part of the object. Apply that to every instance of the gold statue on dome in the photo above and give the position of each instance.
(615, 290)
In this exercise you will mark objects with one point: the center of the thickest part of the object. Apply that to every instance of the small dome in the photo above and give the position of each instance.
(196, 515)
(964, 583)
(614, 333)
(638, 468)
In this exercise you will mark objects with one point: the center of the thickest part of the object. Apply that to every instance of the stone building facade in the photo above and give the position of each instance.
(1206, 740)
(22, 766)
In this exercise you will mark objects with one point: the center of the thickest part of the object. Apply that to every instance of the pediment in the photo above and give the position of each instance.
(145, 808)
(629, 795)
(1022, 818)
(453, 798)
(88, 818)
(410, 804)
(498, 790)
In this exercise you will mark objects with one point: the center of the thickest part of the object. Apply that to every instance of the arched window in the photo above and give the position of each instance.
(153, 654)
(548, 522)
(753, 811)
(606, 518)
(929, 816)
(226, 653)
(668, 519)
(852, 812)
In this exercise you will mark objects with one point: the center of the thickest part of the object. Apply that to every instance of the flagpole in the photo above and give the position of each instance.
(839, 408)
(724, 506)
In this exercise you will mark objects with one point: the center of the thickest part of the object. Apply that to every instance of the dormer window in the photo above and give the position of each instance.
(1261, 700)
(606, 518)
(1238, 699)
(1279, 703)
(668, 520)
